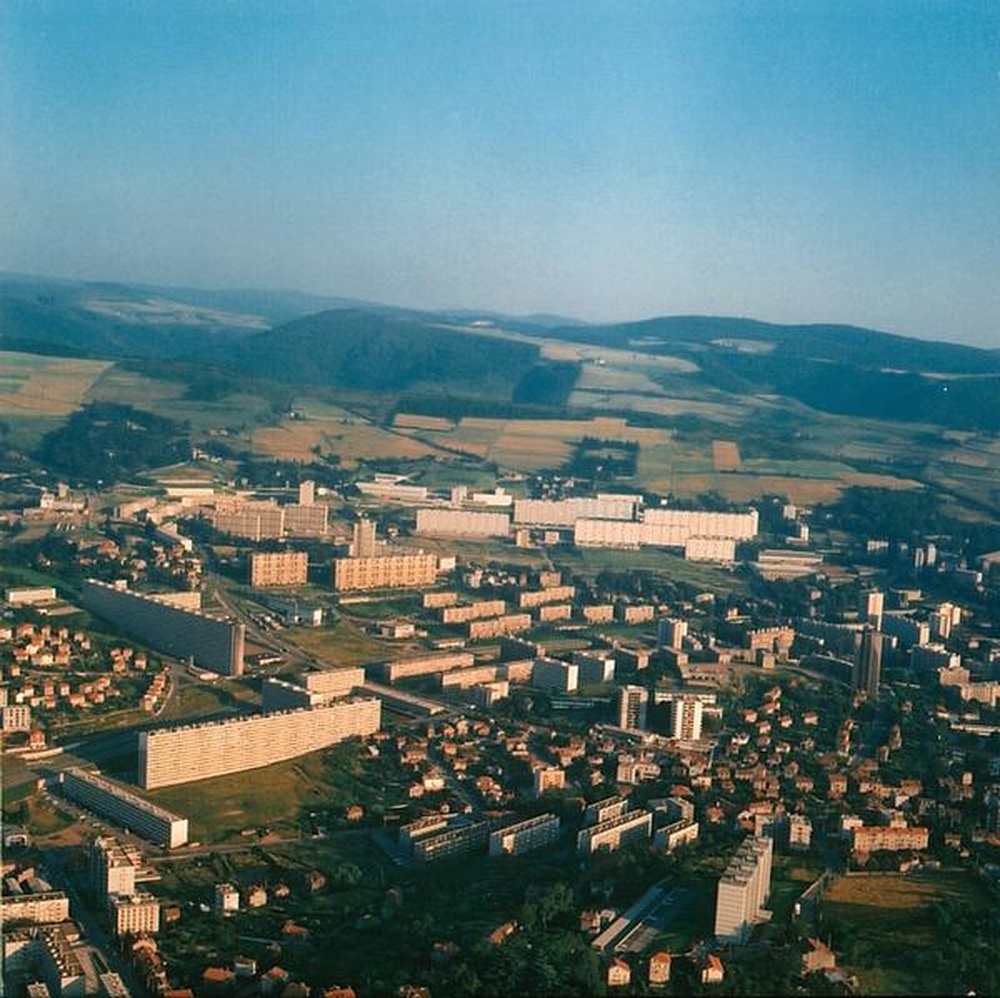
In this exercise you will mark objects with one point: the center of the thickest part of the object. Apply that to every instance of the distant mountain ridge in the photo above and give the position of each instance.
(303, 339)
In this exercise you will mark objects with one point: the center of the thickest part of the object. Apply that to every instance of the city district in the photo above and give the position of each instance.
(377, 738)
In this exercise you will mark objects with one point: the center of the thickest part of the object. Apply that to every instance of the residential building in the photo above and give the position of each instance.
(227, 899)
(213, 643)
(40, 908)
(604, 810)
(868, 663)
(462, 523)
(659, 968)
(455, 841)
(134, 914)
(632, 704)
(547, 778)
(615, 833)
(743, 890)
(112, 868)
(168, 756)
(278, 568)
(391, 571)
(113, 801)
(555, 674)
(686, 712)
(363, 543)
(524, 836)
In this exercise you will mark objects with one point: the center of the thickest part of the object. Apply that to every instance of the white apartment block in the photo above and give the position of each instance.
(743, 890)
(524, 836)
(168, 756)
(132, 914)
(44, 907)
(615, 833)
(112, 801)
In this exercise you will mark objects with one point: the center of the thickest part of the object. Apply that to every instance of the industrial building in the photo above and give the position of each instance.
(113, 801)
(213, 643)
(462, 523)
(169, 756)
(393, 571)
(524, 836)
(279, 568)
(743, 890)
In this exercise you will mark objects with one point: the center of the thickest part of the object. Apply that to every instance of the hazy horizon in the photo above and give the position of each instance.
(788, 163)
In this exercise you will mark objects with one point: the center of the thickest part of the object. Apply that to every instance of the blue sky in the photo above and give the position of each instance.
(792, 161)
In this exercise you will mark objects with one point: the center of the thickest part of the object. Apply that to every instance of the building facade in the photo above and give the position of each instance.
(169, 756)
(743, 890)
(113, 801)
(279, 568)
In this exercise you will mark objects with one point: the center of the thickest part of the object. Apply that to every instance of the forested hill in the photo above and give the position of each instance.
(696, 334)
(361, 349)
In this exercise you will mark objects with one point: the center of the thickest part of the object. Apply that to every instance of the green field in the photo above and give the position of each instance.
(273, 796)
(892, 926)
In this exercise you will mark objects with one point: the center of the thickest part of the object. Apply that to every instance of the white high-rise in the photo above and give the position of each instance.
(744, 890)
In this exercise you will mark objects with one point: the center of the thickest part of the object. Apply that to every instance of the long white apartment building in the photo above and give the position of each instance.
(565, 512)
(462, 523)
(42, 908)
(112, 801)
(524, 836)
(615, 833)
(168, 756)
(743, 890)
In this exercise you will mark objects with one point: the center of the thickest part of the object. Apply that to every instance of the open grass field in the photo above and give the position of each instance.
(32, 385)
(273, 796)
(343, 643)
(592, 561)
(893, 918)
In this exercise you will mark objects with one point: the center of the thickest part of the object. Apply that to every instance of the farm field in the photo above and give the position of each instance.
(33, 385)
(350, 436)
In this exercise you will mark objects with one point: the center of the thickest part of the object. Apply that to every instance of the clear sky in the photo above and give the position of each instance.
(792, 161)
